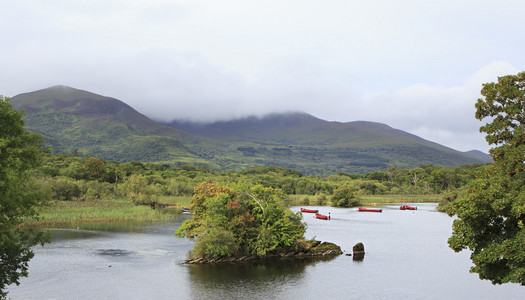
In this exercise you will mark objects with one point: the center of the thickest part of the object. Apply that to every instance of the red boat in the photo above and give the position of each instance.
(370, 209)
(407, 207)
(322, 217)
(306, 210)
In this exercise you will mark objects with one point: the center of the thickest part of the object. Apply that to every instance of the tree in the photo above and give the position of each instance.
(95, 168)
(491, 217)
(20, 151)
(138, 191)
(228, 223)
(344, 196)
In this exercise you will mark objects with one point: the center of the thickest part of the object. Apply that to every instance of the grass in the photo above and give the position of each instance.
(67, 213)
(175, 200)
(386, 199)
(298, 200)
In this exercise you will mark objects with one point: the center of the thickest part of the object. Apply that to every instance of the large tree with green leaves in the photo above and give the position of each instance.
(491, 216)
(20, 151)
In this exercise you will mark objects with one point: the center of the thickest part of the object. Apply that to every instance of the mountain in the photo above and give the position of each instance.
(299, 129)
(358, 145)
(75, 120)
(480, 155)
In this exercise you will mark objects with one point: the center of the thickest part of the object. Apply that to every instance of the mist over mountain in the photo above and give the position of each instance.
(73, 120)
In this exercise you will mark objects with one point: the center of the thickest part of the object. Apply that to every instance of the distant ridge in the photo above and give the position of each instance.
(480, 155)
(304, 129)
(359, 145)
(76, 120)
(297, 129)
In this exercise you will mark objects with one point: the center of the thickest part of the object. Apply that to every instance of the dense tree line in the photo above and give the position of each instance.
(82, 178)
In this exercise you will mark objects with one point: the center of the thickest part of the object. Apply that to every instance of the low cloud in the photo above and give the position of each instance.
(441, 114)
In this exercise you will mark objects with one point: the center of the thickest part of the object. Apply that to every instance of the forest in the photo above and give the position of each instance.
(82, 179)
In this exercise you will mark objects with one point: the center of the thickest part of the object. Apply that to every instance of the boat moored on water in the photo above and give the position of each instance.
(407, 207)
(366, 209)
(307, 210)
(322, 217)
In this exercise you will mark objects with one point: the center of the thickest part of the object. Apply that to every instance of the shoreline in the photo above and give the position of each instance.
(321, 250)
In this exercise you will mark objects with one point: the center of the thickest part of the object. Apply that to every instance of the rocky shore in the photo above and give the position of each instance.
(321, 250)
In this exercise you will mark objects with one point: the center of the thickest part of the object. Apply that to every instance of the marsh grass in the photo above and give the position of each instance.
(387, 199)
(175, 200)
(298, 200)
(66, 213)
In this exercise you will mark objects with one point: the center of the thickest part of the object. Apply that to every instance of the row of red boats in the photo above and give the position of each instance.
(363, 209)
(317, 214)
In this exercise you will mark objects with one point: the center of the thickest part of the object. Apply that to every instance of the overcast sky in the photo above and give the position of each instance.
(415, 65)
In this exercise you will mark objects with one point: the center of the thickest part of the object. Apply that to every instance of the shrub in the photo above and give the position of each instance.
(137, 190)
(344, 196)
(64, 188)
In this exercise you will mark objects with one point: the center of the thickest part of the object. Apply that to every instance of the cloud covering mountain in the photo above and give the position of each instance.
(417, 66)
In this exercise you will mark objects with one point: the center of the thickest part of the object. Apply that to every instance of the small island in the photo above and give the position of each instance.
(246, 223)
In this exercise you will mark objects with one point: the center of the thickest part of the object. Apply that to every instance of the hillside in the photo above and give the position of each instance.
(297, 129)
(480, 155)
(359, 144)
(74, 120)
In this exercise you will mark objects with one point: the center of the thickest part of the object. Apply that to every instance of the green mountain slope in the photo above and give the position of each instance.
(75, 120)
(299, 129)
(104, 127)
(357, 145)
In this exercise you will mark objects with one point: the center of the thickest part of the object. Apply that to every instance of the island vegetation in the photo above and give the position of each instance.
(251, 222)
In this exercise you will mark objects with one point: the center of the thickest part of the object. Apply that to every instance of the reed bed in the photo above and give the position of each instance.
(175, 200)
(298, 200)
(386, 199)
(63, 213)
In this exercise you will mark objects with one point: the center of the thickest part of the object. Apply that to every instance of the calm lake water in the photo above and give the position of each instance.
(406, 258)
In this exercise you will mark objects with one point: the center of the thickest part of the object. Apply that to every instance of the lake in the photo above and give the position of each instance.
(407, 257)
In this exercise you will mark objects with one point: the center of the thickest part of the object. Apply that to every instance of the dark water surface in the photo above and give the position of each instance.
(406, 258)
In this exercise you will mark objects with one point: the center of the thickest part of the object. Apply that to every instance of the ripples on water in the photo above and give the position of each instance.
(406, 258)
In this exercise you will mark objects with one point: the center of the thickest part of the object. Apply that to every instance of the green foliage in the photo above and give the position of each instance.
(137, 190)
(64, 188)
(491, 216)
(252, 222)
(67, 178)
(321, 199)
(19, 196)
(215, 243)
(344, 196)
(95, 168)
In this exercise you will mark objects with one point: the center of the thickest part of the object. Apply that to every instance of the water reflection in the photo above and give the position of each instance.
(252, 279)
(407, 257)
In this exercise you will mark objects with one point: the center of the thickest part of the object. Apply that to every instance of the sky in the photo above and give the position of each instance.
(415, 65)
